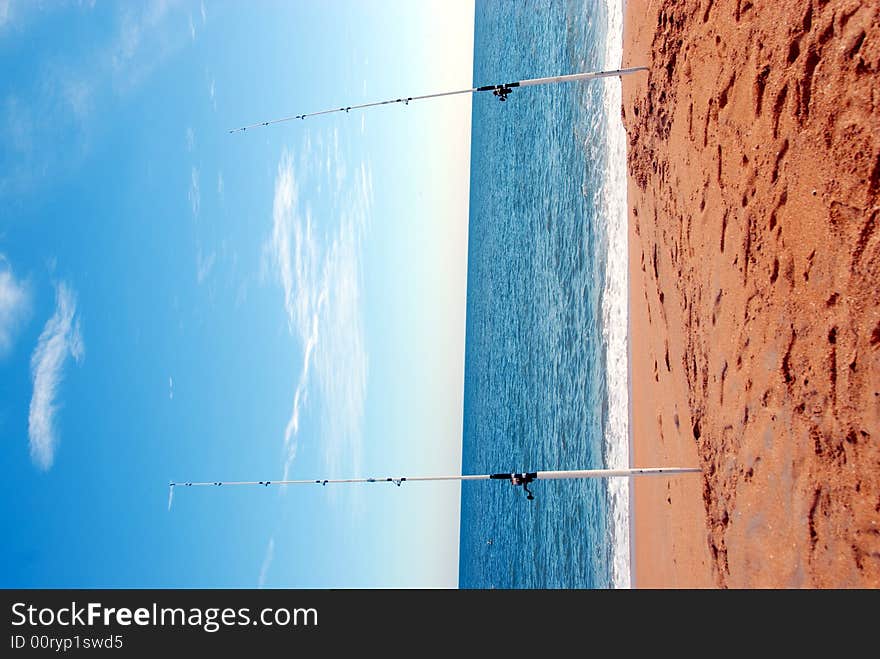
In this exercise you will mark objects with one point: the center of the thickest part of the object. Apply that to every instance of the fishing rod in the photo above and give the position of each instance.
(500, 91)
(523, 479)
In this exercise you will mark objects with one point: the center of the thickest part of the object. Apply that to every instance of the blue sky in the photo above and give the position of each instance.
(179, 303)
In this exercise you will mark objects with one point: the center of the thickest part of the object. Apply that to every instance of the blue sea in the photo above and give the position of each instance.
(546, 344)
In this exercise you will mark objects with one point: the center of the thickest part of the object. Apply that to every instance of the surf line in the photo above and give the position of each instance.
(500, 91)
(522, 479)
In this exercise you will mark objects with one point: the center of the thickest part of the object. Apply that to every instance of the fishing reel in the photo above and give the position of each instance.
(501, 92)
(521, 479)
(524, 480)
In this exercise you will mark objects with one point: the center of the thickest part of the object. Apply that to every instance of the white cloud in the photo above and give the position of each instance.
(291, 431)
(60, 337)
(71, 87)
(192, 28)
(77, 95)
(195, 197)
(204, 13)
(190, 139)
(267, 562)
(293, 251)
(18, 129)
(14, 306)
(24, 11)
(320, 275)
(142, 41)
(212, 90)
(204, 264)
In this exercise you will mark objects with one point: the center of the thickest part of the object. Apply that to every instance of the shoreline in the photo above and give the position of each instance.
(667, 520)
(633, 562)
(633, 583)
(753, 190)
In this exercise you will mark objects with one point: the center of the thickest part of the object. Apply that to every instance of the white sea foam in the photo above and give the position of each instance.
(614, 302)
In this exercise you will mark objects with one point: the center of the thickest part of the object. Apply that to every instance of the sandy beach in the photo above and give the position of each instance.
(754, 173)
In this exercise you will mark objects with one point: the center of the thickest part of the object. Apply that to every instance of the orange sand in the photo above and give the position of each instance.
(754, 165)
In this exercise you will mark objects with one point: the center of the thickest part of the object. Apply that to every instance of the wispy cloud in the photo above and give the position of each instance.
(320, 274)
(14, 305)
(294, 254)
(204, 13)
(192, 28)
(170, 388)
(77, 93)
(69, 88)
(142, 42)
(18, 128)
(212, 89)
(190, 139)
(267, 562)
(291, 431)
(195, 197)
(17, 12)
(61, 337)
(204, 264)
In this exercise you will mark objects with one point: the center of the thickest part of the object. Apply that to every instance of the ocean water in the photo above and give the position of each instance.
(546, 343)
